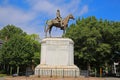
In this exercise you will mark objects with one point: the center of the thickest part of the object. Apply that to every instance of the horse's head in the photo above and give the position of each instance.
(71, 16)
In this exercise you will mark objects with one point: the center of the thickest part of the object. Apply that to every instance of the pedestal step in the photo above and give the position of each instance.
(57, 71)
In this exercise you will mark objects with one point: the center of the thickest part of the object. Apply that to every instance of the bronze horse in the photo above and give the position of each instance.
(57, 24)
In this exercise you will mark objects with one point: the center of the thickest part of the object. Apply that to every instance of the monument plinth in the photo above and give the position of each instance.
(57, 58)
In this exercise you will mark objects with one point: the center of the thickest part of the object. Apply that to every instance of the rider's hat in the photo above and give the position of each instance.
(58, 10)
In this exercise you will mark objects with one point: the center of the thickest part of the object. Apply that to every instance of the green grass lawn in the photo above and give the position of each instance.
(2, 75)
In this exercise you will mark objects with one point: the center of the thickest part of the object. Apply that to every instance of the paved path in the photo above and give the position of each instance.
(36, 78)
(112, 78)
(1, 78)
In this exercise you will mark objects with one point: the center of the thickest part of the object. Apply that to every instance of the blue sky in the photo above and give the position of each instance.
(31, 15)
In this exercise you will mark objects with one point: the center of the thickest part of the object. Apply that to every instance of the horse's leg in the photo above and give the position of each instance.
(45, 34)
(64, 31)
(45, 31)
(50, 31)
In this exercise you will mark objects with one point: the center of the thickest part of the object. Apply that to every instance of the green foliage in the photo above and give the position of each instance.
(8, 32)
(34, 38)
(35, 41)
(36, 58)
(95, 41)
(2, 75)
(19, 49)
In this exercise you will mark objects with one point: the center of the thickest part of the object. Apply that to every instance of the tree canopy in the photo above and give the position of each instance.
(96, 41)
(19, 49)
(9, 31)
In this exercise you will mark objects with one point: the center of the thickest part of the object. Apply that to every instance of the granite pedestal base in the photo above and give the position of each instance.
(57, 58)
(57, 71)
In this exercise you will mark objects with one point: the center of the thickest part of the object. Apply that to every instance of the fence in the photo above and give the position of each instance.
(84, 73)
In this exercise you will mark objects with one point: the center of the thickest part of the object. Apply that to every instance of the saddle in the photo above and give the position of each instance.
(59, 22)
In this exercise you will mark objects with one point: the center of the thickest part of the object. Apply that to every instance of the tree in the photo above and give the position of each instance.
(86, 39)
(8, 32)
(36, 44)
(95, 40)
(18, 51)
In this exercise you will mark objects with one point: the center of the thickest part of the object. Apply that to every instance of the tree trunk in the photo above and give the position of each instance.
(11, 70)
(106, 67)
(6, 38)
(4, 66)
(8, 69)
(17, 69)
(89, 68)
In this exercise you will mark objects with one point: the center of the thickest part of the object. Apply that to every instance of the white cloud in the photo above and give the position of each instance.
(17, 17)
(84, 10)
(50, 6)
(11, 15)
(45, 6)
(33, 19)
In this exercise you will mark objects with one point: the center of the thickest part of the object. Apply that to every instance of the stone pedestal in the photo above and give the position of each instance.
(57, 58)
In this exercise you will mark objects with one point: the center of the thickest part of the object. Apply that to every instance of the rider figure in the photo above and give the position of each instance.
(59, 18)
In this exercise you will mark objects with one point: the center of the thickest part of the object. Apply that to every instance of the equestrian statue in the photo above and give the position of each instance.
(58, 22)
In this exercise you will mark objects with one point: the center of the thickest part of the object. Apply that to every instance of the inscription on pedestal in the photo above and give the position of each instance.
(57, 52)
(57, 42)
